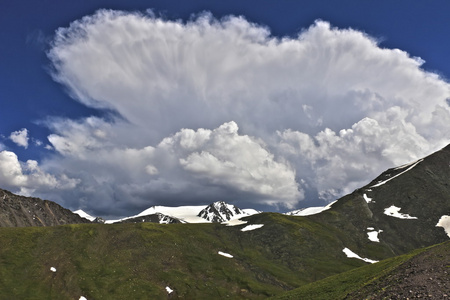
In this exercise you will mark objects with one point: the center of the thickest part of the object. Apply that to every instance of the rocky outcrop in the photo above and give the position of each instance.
(20, 211)
(220, 212)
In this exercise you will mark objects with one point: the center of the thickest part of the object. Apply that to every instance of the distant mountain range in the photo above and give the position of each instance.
(256, 255)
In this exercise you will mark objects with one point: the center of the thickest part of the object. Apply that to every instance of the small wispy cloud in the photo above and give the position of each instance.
(20, 137)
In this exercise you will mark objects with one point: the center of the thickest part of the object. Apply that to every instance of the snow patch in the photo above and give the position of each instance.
(53, 269)
(225, 254)
(85, 215)
(373, 235)
(309, 210)
(412, 166)
(394, 211)
(444, 222)
(252, 227)
(234, 222)
(351, 254)
(368, 200)
(169, 290)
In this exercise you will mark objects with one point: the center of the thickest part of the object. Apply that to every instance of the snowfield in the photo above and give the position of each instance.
(186, 214)
(373, 235)
(351, 254)
(394, 211)
(309, 210)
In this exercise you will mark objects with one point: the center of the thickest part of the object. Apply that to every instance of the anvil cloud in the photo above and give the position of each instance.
(213, 109)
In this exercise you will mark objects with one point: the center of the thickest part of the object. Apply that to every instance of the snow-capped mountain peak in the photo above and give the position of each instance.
(220, 212)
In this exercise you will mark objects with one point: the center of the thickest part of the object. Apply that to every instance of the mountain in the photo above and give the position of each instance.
(220, 211)
(402, 207)
(154, 218)
(262, 255)
(19, 211)
(422, 273)
(215, 212)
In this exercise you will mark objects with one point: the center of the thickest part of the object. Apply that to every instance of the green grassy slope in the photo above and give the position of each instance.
(361, 282)
(137, 261)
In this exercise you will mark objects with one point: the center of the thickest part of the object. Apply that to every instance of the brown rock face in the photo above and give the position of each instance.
(20, 211)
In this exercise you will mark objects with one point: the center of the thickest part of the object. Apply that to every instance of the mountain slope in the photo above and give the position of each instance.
(392, 215)
(422, 273)
(139, 260)
(19, 211)
(402, 207)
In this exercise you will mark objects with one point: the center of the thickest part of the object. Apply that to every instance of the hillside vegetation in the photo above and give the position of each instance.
(138, 261)
(401, 208)
(422, 273)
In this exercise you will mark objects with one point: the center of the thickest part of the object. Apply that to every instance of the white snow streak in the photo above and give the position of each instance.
(368, 200)
(309, 210)
(169, 290)
(83, 214)
(225, 254)
(252, 227)
(234, 222)
(394, 211)
(383, 182)
(351, 254)
(444, 222)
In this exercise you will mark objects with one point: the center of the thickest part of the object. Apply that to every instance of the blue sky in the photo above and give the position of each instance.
(72, 126)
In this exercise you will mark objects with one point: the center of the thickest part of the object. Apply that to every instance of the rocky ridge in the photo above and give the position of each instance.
(20, 211)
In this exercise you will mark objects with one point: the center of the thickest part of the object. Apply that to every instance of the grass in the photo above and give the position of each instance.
(138, 261)
(339, 286)
(123, 261)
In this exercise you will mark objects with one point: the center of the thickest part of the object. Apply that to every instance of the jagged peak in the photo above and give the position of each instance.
(220, 211)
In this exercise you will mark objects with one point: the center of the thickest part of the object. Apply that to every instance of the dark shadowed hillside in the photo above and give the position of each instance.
(20, 211)
(420, 274)
(403, 205)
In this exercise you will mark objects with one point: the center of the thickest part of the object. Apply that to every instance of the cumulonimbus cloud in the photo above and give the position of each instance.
(320, 113)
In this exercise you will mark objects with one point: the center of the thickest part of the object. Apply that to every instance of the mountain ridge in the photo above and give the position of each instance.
(262, 255)
(20, 211)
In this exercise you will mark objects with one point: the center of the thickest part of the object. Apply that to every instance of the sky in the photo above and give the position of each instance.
(116, 106)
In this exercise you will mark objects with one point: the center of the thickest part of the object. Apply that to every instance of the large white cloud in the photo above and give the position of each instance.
(191, 165)
(29, 177)
(318, 114)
